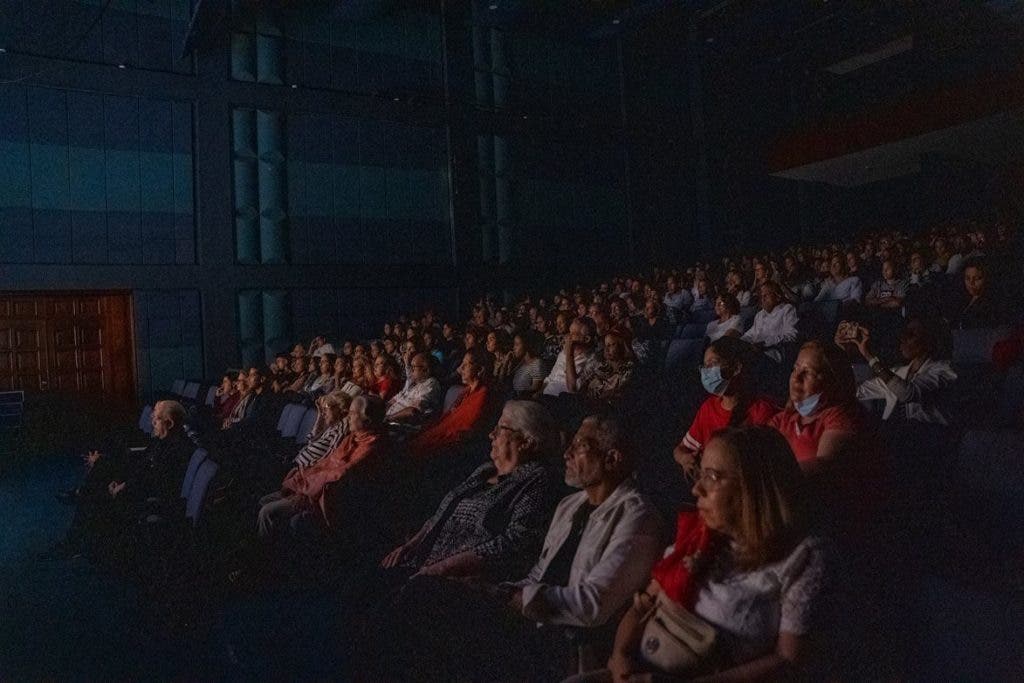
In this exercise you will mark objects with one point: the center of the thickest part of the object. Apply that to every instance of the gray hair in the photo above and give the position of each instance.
(611, 433)
(337, 399)
(536, 423)
(371, 407)
(173, 411)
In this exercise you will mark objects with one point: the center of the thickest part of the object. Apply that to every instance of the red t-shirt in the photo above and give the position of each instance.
(804, 438)
(712, 416)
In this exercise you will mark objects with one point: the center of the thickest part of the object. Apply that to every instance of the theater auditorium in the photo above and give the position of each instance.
(512, 340)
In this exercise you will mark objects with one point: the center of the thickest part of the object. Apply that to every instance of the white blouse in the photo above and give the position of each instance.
(717, 329)
(750, 609)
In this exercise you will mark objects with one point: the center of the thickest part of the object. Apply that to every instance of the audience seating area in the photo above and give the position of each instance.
(959, 480)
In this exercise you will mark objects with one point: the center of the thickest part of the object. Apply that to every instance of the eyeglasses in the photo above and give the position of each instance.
(707, 477)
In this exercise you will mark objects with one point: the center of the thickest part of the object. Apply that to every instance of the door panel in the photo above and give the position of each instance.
(68, 342)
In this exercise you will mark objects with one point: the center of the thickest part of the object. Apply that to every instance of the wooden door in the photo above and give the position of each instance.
(76, 343)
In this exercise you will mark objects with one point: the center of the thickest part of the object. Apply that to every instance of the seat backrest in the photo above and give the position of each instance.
(191, 390)
(205, 473)
(452, 395)
(681, 350)
(198, 456)
(291, 419)
(285, 412)
(178, 387)
(975, 346)
(144, 419)
(692, 331)
(992, 461)
(747, 314)
(702, 316)
(306, 423)
(1011, 400)
(211, 396)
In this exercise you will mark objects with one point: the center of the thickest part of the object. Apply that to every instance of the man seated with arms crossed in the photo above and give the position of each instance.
(600, 542)
(420, 398)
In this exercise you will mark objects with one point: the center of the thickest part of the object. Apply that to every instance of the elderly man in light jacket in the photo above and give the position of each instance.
(602, 541)
(599, 550)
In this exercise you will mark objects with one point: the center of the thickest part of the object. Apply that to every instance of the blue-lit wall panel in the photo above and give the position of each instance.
(168, 336)
(146, 34)
(92, 179)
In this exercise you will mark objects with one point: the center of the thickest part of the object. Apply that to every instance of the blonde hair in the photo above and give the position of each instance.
(772, 515)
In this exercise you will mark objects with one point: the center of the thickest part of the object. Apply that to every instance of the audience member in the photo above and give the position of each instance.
(302, 491)
(465, 417)
(529, 374)
(492, 523)
(915, 386)
(330, 428)
(579, 346)
(840, 285)
(774, 325)
(728, 322)
(822, 415)
(731, 403)
(421, 396)
(119, 488)
(745, 564)
(974, 307)
(599, 549)
(888, 292)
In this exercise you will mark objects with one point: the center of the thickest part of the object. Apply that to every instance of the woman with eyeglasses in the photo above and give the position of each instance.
(744, 563)
(731, 402)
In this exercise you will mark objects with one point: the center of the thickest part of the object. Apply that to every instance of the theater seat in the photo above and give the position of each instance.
(452, 395)
(702, 316)
(198, 457)
(747, 314)
(691, 331)
(306, 423)
(191, 391)
(144, 420)
(211, 396)
(178, 387)
(205, 473)
(682, 350)
(975, 346)
(291, 418)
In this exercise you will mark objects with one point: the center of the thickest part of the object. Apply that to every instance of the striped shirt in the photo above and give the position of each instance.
(319, 446)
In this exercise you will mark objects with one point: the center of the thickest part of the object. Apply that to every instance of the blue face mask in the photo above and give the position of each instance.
(711, 378)
(807, 406)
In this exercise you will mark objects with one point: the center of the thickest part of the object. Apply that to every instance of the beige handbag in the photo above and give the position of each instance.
(675, 640)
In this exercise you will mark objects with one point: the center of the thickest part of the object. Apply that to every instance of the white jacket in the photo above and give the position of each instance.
(620, 544)
(918, 395)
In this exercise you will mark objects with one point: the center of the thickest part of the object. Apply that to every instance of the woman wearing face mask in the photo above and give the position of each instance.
(730, 404)
(822, 415)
